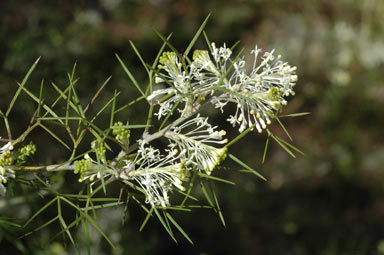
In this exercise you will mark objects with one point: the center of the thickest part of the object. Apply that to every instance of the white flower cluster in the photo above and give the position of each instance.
(156, 174)
(5, 173)
(183, 84)
(193, 137)
(258, 94)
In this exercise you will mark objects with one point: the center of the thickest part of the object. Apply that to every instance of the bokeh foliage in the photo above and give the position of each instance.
(329, 201)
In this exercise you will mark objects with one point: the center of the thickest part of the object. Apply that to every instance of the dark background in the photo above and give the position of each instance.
(329, 201)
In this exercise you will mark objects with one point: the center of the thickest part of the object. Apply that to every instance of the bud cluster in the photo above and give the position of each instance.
(8, 158)
(121, 134)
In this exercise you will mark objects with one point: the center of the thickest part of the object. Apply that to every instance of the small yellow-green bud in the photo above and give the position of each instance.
(121, 134)
(6, 159)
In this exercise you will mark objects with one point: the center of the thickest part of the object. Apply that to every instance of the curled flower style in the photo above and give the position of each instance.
(156, 174)
(193, 138)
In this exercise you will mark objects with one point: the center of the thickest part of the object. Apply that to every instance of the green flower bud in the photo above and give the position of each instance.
(81, 167)
(6, 159)
(121, 134)
(24, 152)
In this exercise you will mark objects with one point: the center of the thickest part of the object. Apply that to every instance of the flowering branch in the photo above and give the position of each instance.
(193, 148)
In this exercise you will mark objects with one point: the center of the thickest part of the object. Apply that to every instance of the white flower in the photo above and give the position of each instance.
(6, 147)
(259, 94)
(94, 170)
(208, 72)
(176, 78)
(185, 85)
(5, 174)
(193, 138)
(156, 174)
(5, 171)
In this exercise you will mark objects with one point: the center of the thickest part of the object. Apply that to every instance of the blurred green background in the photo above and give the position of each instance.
(329, 201)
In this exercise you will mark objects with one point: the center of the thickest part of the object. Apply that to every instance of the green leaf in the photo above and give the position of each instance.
(41, 226)
(283, 127)
(105, 205)
(241, 135)
(40, 98)
(154, 64)
(166, 41)
(139, 56)
(187, 195)
(90, 219)
(287, 144)
(111, 101)
(206, 194)
(130, 126)
(61, 118)
(191, 185)
(86, 230)
(130, 104)
(96, 199)
(64, 225)
(193, 41)
(21, 86)
(47, 108)
(149, 214)
(166, 226)
(265, 150)
(139, 203)
(295, 114)
(218, 208)
(234, 45)
(40, 211)
(113, 109)
(76, 99)
(131, 77)
(238, 161)
(215, 178)
(178, 208)
(55, 136)
(207, 41)
(282, 145)
(6, 221)
(149, 119)
(178, 227)
(62, 95)
(71, 225)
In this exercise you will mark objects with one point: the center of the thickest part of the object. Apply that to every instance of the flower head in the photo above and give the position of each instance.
(6, 159)
(176, 78)
(156, 174)
(194, 138)
(260, 93)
